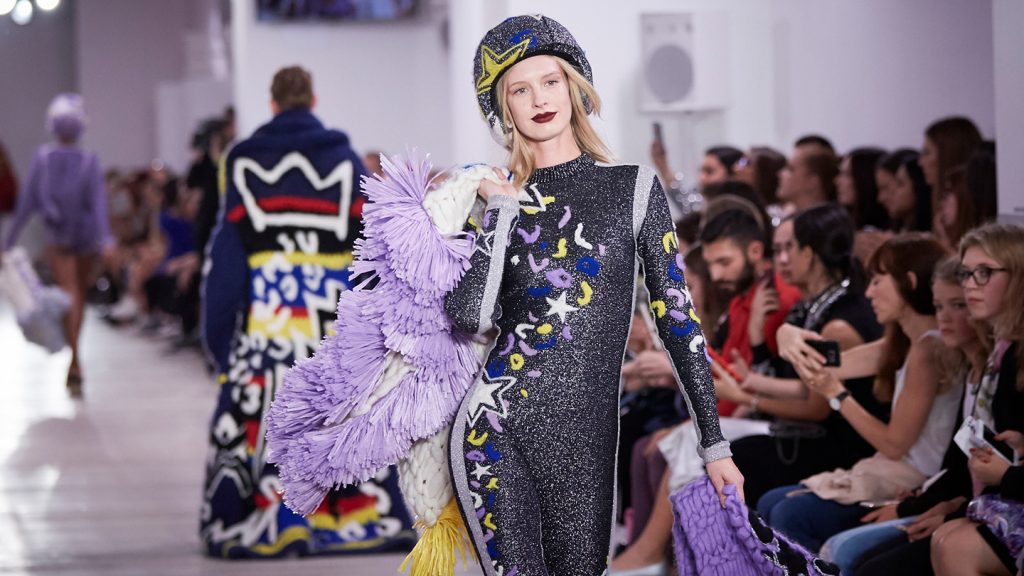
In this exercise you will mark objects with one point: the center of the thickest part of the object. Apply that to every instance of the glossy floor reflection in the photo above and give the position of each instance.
(110, 484)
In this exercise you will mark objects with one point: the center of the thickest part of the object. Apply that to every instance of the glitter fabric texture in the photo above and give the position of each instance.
(513, 40)
(534, 444)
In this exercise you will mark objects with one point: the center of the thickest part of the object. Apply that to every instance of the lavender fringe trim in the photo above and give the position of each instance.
(319, 431)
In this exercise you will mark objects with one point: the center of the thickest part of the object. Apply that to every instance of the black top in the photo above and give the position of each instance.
(1008, 413)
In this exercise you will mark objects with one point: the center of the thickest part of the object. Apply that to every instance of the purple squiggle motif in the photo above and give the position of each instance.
(559, 278)
(565, 218)
(529, 238)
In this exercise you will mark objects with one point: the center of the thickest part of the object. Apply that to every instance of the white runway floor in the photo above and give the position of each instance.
(110, 485)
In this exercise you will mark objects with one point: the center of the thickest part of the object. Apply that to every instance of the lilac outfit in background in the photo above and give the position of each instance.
(65, 186)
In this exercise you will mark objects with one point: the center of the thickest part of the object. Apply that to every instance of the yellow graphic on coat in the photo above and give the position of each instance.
(669, 242)
(659, 309)
(493, 64)
(476, 440)
(587, 293)
(516, 361)
(561, 249)
(693, 316)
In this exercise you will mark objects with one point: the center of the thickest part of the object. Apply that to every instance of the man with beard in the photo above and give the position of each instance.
(735, 248)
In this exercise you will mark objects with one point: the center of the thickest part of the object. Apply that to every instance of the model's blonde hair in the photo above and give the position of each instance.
(581, 92)
(1005, 244)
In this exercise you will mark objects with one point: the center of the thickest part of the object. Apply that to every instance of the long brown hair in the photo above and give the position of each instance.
(900, 257)
(581, 93)
(1005, 244)
(955, 139)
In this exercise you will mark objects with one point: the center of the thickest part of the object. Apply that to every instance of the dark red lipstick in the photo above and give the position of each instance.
(545, 117)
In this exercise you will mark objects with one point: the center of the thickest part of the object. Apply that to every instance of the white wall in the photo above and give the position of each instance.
(860, 72)
(125, 49)
(1008, 21)
(385, 84)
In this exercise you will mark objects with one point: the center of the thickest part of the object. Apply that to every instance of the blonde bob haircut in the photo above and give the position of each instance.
(581, 92)
(1004, 243)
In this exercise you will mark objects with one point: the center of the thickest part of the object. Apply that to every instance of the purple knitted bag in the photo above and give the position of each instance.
(710, 541)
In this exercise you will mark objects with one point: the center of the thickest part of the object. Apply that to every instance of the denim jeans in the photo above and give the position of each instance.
(847, 548)
(806, 518)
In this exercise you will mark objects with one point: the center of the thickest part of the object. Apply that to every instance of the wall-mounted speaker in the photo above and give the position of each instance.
(686, 62)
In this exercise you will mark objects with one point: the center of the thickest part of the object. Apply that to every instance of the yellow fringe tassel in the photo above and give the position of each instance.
(435, 553)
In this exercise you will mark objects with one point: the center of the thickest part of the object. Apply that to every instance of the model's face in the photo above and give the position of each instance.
(846, 193)
(985, 303)
(929, 162)
(712, 171)
(729, 266)
(783, 248)
(951, 314)
(885, 298)
(537, 96)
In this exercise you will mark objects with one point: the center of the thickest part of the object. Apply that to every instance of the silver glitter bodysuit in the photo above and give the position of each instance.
(534, 444)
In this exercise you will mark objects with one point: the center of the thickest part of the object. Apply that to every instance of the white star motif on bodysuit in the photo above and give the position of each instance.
(487, 397)
(560, 307)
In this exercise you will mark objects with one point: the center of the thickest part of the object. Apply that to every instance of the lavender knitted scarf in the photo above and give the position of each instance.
(710, 541)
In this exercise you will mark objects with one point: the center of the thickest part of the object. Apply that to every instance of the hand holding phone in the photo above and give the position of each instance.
(829, 349)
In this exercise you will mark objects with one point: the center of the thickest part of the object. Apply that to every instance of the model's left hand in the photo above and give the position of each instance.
(724, 472)
(988, 468)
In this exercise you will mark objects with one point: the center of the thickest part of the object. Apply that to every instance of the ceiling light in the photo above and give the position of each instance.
(47, 4)
(6, 6)
(22, 13)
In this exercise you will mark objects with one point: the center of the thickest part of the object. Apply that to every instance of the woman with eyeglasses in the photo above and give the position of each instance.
(991, 539)
(992, 276)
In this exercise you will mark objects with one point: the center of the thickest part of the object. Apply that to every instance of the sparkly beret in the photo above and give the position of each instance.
(516, 39)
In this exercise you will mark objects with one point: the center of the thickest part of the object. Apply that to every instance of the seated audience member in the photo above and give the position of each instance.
(969, 196)
(814, 250)
(991, 539)
(808, 179)
(964, 358)
(903, 191)
(924, 402)
(174, 286)
(716, 166)
(8, 183)
(735, 250)
(760, 169)
(857, 188)
(948, 145)
(992, 274)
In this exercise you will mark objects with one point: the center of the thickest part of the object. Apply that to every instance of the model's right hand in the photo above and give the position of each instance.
(489, 187)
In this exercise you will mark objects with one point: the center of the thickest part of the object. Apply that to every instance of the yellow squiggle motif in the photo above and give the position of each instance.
(524, 393)
(488, 522)
(544, 329)
(561, 249)
(669, 241)
(493, 484)
(658, 307)
(693, 316)
(547, 200)
(476, 440)
(516, 361)
(587, 293)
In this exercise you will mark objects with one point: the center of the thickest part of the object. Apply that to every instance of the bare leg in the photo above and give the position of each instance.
(958, 548)
(64, 266)
(651, 546)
